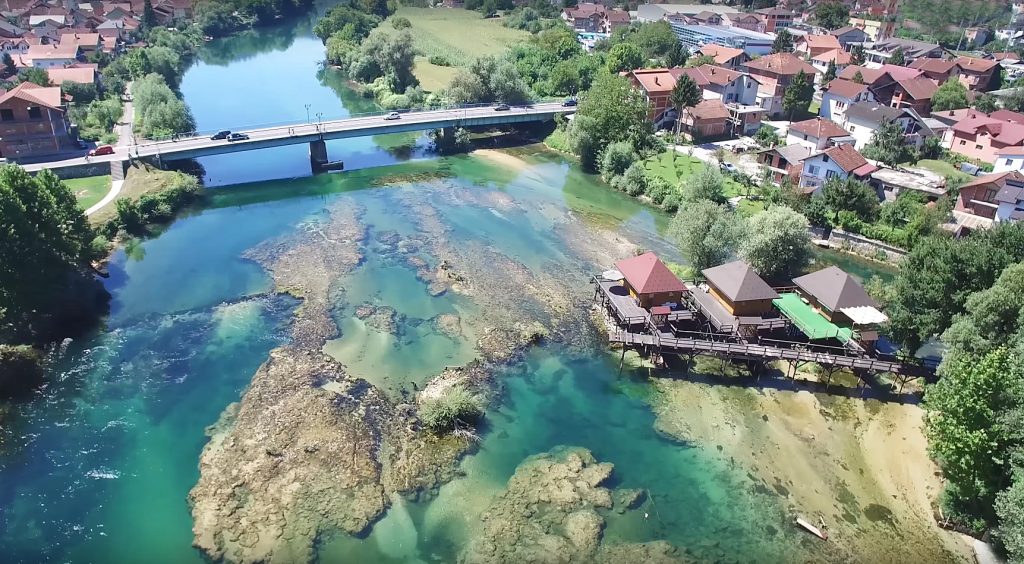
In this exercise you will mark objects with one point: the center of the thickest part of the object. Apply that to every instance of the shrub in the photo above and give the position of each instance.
(671, 202)
(616, 159)
(658, 189)
(439, 60)
(634, 181)
(454, 407)
(401, 22)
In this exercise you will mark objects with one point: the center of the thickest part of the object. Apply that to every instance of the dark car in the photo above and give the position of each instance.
(569, 102)
(237, 137)
(220, 135)
(101, 150)
(501, 108)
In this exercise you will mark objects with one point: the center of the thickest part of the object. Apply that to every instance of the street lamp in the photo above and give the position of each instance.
(307, 113)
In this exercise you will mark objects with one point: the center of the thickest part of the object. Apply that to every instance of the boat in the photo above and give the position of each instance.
(820, 533)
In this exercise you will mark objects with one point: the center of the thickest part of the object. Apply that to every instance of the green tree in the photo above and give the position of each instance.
(850, 195)
(1010, 509)
(79, 92)
(685, 94)
(488, 80)
(831, 15)
(1015, 101)
(888, 144)
(616, 158)
(656, 39)
(706, 233)
(707, 185)
(992, 317)
(986, 103)
(625, 57)
(965, 433)
(612, 110)
(9, 68)
(858, 78)
(951, 95)
(897, 58)
(676, 56)
(35, 75)
(148, 20)
(783, 41)
(830, 72)
(699, 61)
(401, 23)
(857, 56)
(767, 137)
(799, 94)
(776, 242)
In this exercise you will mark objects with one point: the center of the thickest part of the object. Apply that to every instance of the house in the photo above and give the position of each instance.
(745, 119)
(977, 35)
(982, 137)
(850, 35)
(785, 162)
(840, 161)
(881, 51)
(775, 18)
(594, 18)
(815, 45)
(739, 290)
(914, 93)
(81, 75)
(863, 118)
(9, 30)
(52, 56)
(707, 120)
(657, 85)
(745, 21)
(33, 122)
(998, 197)
(839, 95)
(840, 58)
(88, 42)
(837, 297)
(774, 73)
(939, 70)
(724, 56)
(649, 281)
(874, 29)
(727, 85)
(14, 46)
(976, 74)
(817, 133)
(1009, 160)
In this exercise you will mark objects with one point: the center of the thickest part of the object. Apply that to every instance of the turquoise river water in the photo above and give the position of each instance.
(96, 467)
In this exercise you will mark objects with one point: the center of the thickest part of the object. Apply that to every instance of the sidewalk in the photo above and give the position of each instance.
(125, 138)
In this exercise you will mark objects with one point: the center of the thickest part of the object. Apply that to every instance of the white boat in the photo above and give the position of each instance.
(823, 535)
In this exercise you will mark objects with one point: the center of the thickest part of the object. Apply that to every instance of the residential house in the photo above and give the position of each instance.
(81, 75)
(840, 58)
(657, 85)
(775, 18)
(745, 21)
(977, 36)
(33, 122)
(817, 133)
(880, 82)
(727, 85)
(774, 73)
(840, 161)
(997, 196)
(705, 18)
(9, 30)
(815, 45)
(739, 290)
(946, 119)
(594, 18)
(881, 51)
(849, 36)
(1010, 159)
(89, 43)
(52, 56)
(724, 56)
(839, 94)
(839, 298)
(874, 29)
(14, 46)
(785, 162)
(915, 93)
(707, 120)
(983, 137)
(976, 74)
(863, 118)
(939, 70)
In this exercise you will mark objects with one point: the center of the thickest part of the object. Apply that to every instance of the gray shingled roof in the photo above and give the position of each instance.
(870, 112)
(835, 289)
(738, 282)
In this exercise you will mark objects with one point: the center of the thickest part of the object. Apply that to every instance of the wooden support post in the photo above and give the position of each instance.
(622, 359)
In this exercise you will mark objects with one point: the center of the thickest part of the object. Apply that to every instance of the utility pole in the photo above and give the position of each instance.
(307, 113)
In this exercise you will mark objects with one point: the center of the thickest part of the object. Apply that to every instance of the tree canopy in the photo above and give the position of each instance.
(799, 94)
(888, 144)
(850, 195)
(612, 110)
(625, 57)
(488, 80)
(776, 242)
(783, 41)
(951, 95)
(706, 233)
(832, 15)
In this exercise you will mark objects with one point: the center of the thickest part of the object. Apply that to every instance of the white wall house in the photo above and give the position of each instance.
(816, 134)
(863, 118)
(1009, 160)
(841, 161)
(839, 95)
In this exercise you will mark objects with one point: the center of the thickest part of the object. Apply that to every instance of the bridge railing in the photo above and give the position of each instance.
(324, 119)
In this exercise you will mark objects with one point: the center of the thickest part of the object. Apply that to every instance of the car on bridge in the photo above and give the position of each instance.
(237, 137)
(501, 108)
(393, 115)
(101, 150)
(222, 134)
(569, 103)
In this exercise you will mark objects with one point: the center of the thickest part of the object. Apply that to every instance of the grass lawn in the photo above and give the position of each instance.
(457, 35)
(139, 181)
(89, 190)
(683, 166)
(942, 168)
(814, 107)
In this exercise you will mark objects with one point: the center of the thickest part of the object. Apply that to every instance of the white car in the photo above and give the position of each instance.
(393, 115)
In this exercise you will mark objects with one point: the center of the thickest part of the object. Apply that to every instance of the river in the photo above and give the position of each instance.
(97, 466)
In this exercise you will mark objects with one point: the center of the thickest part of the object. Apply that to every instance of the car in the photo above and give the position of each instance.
(393, 115)
(501, 108)
(101, 150)
(730, 168)
(237, 137)
(569, 103)
(222, 134)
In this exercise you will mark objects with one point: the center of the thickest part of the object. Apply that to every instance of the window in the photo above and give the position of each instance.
(813, 170)
(963, 142)
(1009, 162)
(805, 136)
(831, 174)
(824, 158)
(853, 128)
(977, 147)
(35, 113)
(990, 195)
(6, 115)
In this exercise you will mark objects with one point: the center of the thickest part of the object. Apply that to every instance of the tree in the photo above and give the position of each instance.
(1010, 510)
(1015, 101)
(850, 195)
(707, 185)
(488, 80)
(616, 158)
(951, 95)
(857, 55)
(799, 95)
(685, 94)
(965, 434)
(401, 22)
(612, 110)
(9, 68)
(992, 316)
(676, 56)
(699, 61)
(35, 75)
(625, 57)
(776, 242)
(858, 77)
(986, 103)
(79, 92)
(706, 233)
(830, 72)
(832, 15)
(783, 41)
(148, 20)
(897, 58)
(888, 144)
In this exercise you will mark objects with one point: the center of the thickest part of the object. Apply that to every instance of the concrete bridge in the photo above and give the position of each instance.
(317, 134)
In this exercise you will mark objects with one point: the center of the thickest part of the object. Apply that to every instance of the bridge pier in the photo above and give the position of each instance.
(318, 155)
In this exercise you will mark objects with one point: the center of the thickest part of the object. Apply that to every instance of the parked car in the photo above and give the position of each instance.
(223, 134)
(393, 115)
(569, 102)
(501, 108)
(101, 150)
(730, 168)
(237, 137)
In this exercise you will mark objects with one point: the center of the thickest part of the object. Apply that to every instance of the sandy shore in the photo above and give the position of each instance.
(501, 158)
(861, 465)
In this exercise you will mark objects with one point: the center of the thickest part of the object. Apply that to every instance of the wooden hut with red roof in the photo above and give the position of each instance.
(649, 281)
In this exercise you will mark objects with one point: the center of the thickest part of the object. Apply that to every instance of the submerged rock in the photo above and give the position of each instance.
(381, 318)
(448, 324)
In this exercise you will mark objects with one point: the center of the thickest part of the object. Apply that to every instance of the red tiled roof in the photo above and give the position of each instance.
(931, 64)
(819, 128)
(720, 53)
(838, 55)
(822, 41)
(901, 73)
(647, 275)
(709, 109)
(846, 157)
(970, 64)
(997, 178)
(1005, 132)
(1007, 115)
(845, 88)
(657, 80)
(871, 76)
(48, 96)
(919, 88)
(710, 74)
(781, 63)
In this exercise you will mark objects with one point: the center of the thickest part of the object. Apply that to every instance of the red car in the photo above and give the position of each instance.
(101, 150)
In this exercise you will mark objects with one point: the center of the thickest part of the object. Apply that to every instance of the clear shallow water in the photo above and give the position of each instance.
(98, 465)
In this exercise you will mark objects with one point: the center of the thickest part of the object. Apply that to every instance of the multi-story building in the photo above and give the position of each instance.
(839, 95)
(696, 36)
(983, 137)
(998, 197)
(775, 18)
(774, 73)
(33, 122)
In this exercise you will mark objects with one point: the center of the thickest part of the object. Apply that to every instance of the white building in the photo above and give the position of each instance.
(1009, 160)
(839, 95)
(841, 161)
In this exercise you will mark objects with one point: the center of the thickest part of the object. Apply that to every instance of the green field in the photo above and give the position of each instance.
(89, 190)
(683, 166)
(455, 34)
(942, 168)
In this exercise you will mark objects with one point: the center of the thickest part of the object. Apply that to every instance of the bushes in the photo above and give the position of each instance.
(96, 120)
(158, 111)
(439, 60)
(133, 216)
(401, 23)
(616, 158)
(454, 408)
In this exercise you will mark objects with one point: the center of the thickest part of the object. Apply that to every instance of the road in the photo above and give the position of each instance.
(290, 134)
